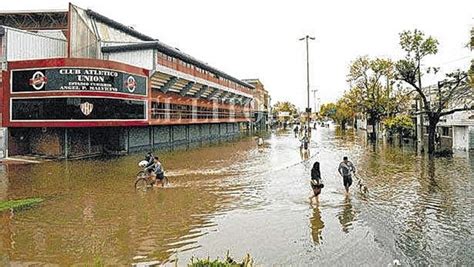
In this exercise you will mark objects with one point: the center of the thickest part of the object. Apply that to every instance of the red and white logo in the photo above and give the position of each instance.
(131, 84)
(38, 80)
(87, 108)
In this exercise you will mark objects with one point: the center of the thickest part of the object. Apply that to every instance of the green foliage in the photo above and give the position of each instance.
(401, 124)
(417, 46)
(373, 91)
(453, 94)
(328, 110)
(366, 76)
(227, 262)
(340, 112)
(284, 107)
(19, 204)
(344, 112)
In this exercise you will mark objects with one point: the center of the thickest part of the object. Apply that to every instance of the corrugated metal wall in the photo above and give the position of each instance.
(23, 45)
(84, 42)
(86, 33)
(142, 58)
(109, 34)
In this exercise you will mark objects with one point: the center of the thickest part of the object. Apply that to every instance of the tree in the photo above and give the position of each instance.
(400, 124)
(372, 82)
(344, 112)
(451, 95)
(340, 112)
(328, 110)
(284, 107)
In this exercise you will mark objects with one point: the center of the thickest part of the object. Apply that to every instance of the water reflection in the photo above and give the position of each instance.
(305, 154)
(347, 215)
(422, 200)
(91, 209)
(317, 225)
(233, 196)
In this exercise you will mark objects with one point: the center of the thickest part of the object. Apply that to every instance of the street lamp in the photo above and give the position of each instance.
(306, 38)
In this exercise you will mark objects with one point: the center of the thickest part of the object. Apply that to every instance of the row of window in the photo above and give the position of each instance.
(204, 73)
(177, 112)
(182, 63)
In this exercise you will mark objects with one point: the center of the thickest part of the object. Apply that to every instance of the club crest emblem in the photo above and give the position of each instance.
(87, 108)
(38, 80)
(131, 84)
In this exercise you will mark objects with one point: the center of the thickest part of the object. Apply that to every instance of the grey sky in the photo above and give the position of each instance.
(259, 39)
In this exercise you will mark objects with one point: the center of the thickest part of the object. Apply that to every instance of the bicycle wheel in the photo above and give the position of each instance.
(141, 184)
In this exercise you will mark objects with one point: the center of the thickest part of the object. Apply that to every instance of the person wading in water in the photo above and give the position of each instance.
(316, 184)
(157, 171)
(346, 168)
(296, 130)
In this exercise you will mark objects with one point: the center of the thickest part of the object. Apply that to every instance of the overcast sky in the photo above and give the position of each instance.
(259, 39)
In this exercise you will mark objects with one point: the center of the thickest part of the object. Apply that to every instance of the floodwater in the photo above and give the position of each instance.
(238, 198)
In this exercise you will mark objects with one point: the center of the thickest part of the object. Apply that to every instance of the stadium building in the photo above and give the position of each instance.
(76, 83)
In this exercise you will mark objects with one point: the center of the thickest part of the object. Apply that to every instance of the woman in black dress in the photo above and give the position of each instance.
(316, 184)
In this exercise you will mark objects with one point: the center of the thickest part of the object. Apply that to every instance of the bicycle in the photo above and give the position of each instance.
(145, 181)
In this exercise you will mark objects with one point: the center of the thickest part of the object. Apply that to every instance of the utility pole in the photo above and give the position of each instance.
(308, 108)
(314, 100)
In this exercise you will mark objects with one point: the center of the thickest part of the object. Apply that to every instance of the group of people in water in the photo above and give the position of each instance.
(304, 135)
(302, 131)
(346, 169)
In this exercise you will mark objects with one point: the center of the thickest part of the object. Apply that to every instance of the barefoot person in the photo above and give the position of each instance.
(316, 184)
(346, 168)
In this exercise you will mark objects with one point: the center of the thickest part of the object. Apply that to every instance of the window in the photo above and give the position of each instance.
(178, 111)
(74, 108)
(446, 131)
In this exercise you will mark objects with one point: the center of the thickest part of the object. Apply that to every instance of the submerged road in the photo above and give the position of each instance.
(238, 198)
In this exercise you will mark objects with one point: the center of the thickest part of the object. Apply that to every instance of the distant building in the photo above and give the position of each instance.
(261, 105)
(455, 131)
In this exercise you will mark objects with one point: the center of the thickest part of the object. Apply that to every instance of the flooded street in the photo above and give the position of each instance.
(238, 198)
